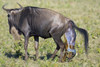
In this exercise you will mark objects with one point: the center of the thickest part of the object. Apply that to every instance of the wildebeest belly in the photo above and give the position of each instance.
(41, 30)
(44, 34)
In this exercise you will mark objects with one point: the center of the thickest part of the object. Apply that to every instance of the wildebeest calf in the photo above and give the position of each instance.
(42, 22)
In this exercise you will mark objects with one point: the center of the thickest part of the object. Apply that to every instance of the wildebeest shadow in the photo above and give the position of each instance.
(16, 55)
(48, 56)
(20, 54)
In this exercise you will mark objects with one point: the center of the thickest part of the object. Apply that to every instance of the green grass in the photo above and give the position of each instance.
(85, 14)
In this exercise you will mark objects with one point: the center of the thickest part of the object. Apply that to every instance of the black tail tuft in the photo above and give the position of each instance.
(85, 35)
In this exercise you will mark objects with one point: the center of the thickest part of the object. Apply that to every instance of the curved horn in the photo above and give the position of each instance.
(3, 7)
(20, 6)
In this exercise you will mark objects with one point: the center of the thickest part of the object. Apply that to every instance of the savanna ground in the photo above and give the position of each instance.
(85, 13)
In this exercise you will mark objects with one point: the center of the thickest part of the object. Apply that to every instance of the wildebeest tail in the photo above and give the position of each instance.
(84, 33)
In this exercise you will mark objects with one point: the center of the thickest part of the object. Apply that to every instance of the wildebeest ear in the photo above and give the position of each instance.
(12, 12)
(15, 11)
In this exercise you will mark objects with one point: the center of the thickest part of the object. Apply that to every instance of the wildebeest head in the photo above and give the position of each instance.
(13, 18)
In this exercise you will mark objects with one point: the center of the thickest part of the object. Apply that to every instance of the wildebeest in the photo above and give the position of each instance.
(45, 23)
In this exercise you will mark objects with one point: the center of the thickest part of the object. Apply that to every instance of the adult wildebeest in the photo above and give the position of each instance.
(45, 23)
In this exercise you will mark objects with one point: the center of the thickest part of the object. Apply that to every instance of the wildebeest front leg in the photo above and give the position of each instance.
(25, 46)
(36, 38)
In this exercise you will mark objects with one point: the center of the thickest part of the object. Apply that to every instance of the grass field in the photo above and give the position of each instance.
(85, 14)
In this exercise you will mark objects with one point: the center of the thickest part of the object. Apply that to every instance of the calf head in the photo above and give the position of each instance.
(13, 20)
(70, 51)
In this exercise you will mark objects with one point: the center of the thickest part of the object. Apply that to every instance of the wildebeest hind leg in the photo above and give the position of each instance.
(61, 45)
(56, 50)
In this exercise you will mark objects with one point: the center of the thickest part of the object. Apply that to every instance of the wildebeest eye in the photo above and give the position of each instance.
(8, 15)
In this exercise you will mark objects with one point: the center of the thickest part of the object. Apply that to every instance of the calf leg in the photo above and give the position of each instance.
(66, 47)
(36, 38)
